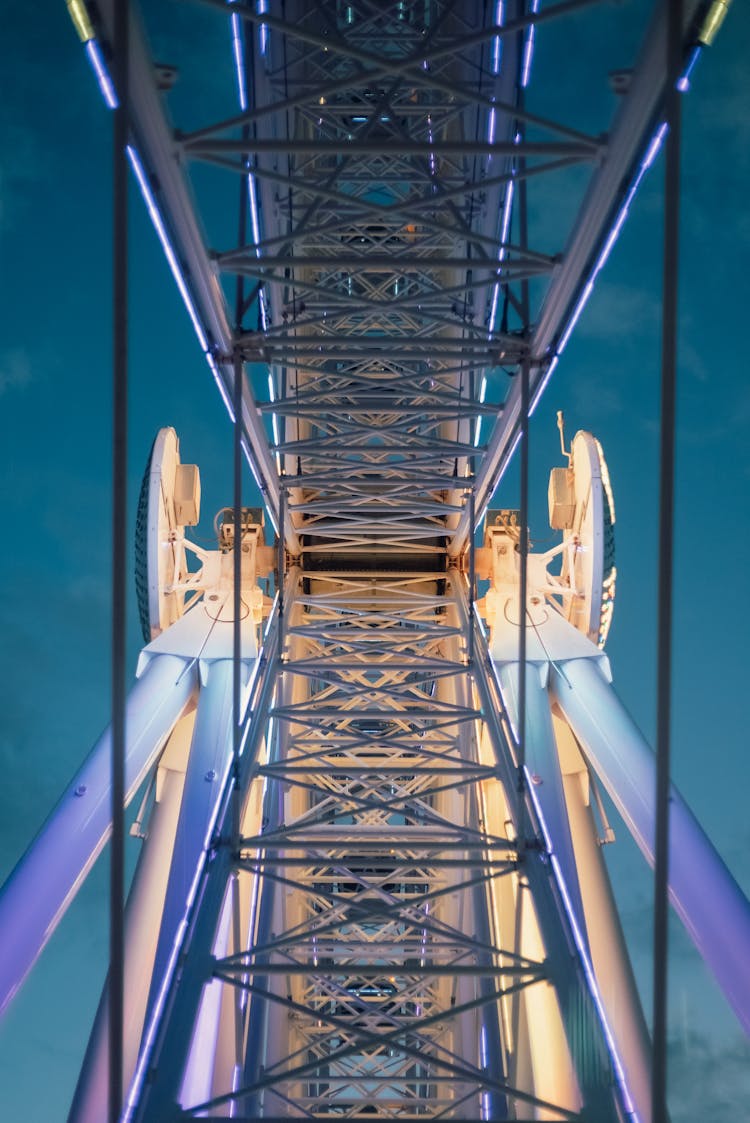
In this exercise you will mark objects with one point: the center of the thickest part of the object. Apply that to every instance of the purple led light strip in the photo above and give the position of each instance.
(528, 49)
(166, 245)
(238, 51)
(237, 48)
(651, 153)
(96, 59)
(106, 85)
(484, 1098)
(263, 30)
(497, 42)
(504, 229)
(478, 422)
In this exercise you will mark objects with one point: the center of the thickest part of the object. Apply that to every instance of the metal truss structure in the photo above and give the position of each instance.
(371, 886)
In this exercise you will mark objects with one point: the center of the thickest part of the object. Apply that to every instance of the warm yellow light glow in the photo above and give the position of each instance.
(81, 20)
(713, 21)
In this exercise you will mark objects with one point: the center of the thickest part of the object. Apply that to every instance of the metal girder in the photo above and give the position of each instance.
(373, 947)
(354, 148)
(341, 261)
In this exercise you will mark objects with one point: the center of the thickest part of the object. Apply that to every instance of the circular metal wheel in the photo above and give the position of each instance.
(592, 541)
(159, 550)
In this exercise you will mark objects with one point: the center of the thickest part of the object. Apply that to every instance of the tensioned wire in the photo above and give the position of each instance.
(119, 554)
(665, 566)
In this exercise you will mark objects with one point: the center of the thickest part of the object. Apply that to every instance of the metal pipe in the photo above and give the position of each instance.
(609, 953)
(142, 916)
(48, 876)
(709, 901)
(208, 770)
(314, 147)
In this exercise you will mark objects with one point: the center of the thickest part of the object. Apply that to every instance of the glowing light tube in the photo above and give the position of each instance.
(651, 153)
(213, 366)
(528, 48)
(497, 42)
(169, 253)
(98, 65)
(96, 60)
(48, 876)
(542, 385)
(263, 30)
(161, 231)
(239, 61)
(504, 231)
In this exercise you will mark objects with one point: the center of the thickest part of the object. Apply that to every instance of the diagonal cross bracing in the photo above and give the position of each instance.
(381, 176)
(377, 966)
(375, 962)
(376, 974)
(381, 148)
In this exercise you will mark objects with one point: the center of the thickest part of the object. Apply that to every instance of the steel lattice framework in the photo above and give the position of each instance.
(392, 905)
(379, 163)
(379, 865)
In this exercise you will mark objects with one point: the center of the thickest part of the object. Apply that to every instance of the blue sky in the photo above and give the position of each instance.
(55, 481)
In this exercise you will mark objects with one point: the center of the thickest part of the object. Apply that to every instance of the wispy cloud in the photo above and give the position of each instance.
(619, 312)
(15, 370)
(609, 396)
(707, 1081)
(21, 172)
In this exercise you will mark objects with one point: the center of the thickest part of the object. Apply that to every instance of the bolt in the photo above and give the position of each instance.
(210, 775)
(80, 790)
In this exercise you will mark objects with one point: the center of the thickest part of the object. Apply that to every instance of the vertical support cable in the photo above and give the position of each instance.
(237, 518)
(523, 223)
(237, 683)
(472, 569)
(237, 387)
(472, 534)
(666, 544)
(119, 549)
(236, 594)
(281, 555)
